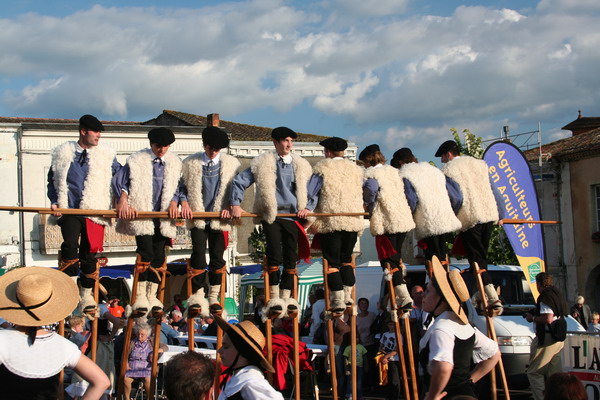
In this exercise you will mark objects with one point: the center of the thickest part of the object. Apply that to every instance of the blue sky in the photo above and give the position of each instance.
(400, 73)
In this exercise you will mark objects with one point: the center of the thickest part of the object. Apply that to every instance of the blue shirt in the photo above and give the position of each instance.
(121, 180)
(76, 177)
(371, 190)
(211, 182)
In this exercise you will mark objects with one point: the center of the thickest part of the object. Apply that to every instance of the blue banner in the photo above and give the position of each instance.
(516, 196)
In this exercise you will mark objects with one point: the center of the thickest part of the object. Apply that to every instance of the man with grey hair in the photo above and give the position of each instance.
(581, 312)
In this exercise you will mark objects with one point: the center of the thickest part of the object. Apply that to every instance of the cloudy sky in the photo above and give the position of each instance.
(394, 72)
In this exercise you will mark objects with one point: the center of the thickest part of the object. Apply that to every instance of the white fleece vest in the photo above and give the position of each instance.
(479, 204)
(341, 192)
(192, 177)
(392, 213)
(434, 214)
(140, 193)
(264, 169)
(97, 193)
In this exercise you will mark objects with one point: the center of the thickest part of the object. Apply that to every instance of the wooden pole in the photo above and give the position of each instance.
(157, 325)
(155, 214)
(191, 314)
(492, 335)
(411, 359)
(295, 324)
(353, 372)
(217, 386)
(330, 334)
(525, 221)
(399, 344)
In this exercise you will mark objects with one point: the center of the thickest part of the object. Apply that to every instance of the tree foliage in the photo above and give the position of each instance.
(500, 251)
(258, 242)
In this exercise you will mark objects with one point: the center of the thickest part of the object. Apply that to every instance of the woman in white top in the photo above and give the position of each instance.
(451, 343)
(31, 358)
(241, 352)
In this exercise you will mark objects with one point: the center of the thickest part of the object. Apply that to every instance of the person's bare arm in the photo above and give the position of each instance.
(92, 373)
(440, 375)
(482, 368)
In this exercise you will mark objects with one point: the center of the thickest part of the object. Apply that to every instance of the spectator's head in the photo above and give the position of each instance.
(595, 317)
(417, 292)
(544, 280)
(363, 304)
(320, 294)
(564, 386)
(141, 331)
(188, 376)
(176, 315)
(580, 300)
(76, 323)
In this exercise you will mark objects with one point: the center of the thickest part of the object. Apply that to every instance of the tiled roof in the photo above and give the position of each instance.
(582, 123)
(23, 120)
(240, 132)
(576, 147)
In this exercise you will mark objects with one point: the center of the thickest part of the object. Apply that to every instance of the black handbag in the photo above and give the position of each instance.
(558, 329)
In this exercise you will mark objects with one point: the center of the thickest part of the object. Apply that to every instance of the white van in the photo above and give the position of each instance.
(513, 332)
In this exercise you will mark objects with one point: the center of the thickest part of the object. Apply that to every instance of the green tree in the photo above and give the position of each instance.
(500, 251)
(258, 242)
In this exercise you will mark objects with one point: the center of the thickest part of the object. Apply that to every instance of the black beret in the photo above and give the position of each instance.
(403, 154)
(161, 136)
(91, 122)
(282, 132)
(367, 151)
(334, 144)
(215, 137)
(447, 146)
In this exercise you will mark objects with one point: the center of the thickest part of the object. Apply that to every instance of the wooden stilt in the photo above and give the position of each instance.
(411, 358)
(128, 330)
(492, 335)
(158, 315)
(268, 322)
(61, 376)
(353, 361)
(94, 338)
(217, 386)
(399, 343)
(295, 324)
(330, 334)
(191, 314)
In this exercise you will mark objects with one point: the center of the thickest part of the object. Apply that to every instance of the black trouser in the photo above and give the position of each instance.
(216, 248)
(476, 242)
(77, 245)
(151, 248)
(396, 240)
(436, 246)
(337, 248)
(282, 247)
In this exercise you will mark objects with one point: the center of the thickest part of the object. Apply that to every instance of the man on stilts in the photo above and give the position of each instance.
(433, 199)
(478, 211)
(391, 218)
(207, 179)
(149, 181)
(336, 187)
(281, 187)
(80, 177)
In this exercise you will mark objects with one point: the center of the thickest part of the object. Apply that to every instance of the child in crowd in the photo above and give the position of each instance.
(594, 326)
(389, 347)
(361, 364)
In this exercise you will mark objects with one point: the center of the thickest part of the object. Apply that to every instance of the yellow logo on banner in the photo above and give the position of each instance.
(531, 266)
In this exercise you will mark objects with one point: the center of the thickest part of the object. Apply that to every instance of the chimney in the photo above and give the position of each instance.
(212, 120)
(580, 115)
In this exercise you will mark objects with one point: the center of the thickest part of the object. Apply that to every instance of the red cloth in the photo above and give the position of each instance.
(117, 310)
(303, 244)
(226, 238)
(458, 248)
(95, 234)
(283, 353)
(384, 247)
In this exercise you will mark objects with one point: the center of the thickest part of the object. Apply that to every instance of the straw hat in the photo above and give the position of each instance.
(452, 285)
(251, 335)
(35, 296)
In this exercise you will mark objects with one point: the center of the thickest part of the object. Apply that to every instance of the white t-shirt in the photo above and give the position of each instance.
(442, 332)
(317, 308)
(48, 355)
(251, 384)
(388, 341)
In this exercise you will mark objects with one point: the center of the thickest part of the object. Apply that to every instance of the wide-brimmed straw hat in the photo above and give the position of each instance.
(251, 335)
(453, 287)
(35, 296)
